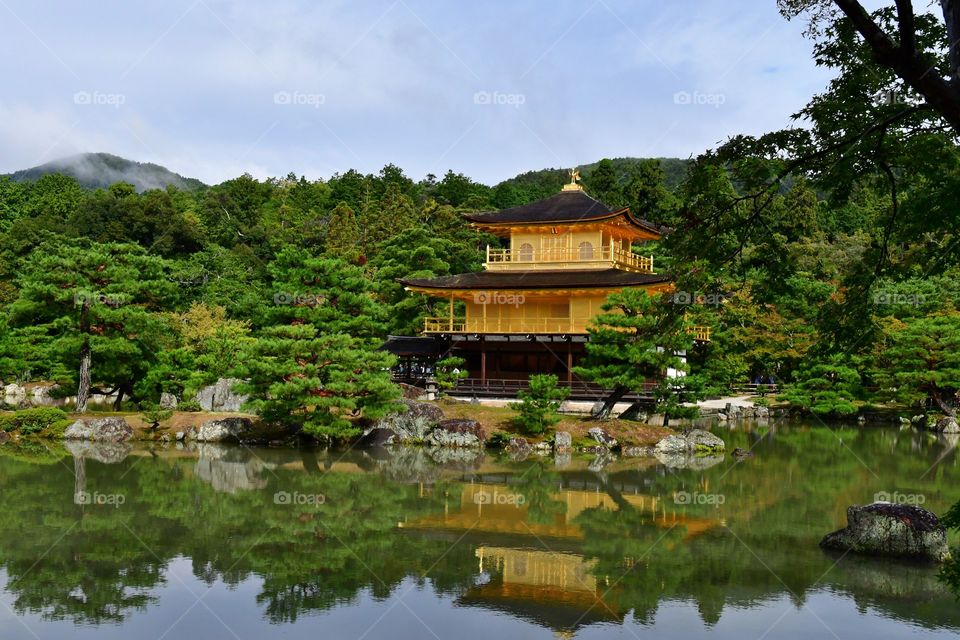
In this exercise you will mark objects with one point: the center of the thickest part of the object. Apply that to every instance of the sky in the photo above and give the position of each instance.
(212, 89)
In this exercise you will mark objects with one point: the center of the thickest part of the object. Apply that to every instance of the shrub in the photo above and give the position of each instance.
(57, 429)
(155, 415)
(8, 422)
(189, 405)
(537, 409)
(28, 421)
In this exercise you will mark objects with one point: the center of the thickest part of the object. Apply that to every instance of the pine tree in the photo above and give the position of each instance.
(95, 304)
(919, 358)
(538, 406)
(317, 364)
(633, 343)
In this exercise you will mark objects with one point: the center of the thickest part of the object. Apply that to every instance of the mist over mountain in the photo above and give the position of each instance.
(100, 170)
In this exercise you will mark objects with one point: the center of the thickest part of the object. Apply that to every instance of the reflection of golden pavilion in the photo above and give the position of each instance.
(527, 576)
(495, 508)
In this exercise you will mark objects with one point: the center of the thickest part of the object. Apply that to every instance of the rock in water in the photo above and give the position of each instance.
(562, 442)
(895, 530)
(695, 441)
(460, 432)
(672, 445)
(224, 430)
(412, 425)
(700, 440)
(100, 430)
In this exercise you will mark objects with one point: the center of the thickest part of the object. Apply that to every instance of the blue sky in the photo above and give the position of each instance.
(212, 89)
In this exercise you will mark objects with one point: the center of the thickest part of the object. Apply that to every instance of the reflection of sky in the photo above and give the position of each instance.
(413, 612)
(191, 84)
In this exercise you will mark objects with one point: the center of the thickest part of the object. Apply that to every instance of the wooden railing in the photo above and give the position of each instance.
(526, 325)
(518, 258)
(504, 325)
(579, 389)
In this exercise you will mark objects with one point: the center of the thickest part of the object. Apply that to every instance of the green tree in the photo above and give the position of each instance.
(316, 364)
(919, 358)
(635, 342)
(96, 304)
(828, 388)
(538, 406)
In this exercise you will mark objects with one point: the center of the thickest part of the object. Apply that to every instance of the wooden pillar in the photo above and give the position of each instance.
(451, 313)
(483, 360)
(569, 361)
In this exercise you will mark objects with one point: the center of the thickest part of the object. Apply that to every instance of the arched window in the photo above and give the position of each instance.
(526, 252)
(586, 251)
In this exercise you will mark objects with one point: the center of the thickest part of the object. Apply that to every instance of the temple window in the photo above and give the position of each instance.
(526, 252)
(586, 251)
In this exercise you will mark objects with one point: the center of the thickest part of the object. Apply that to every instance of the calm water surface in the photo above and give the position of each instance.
(229, 542)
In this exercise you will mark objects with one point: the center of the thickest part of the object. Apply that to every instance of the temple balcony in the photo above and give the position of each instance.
(584, 257)
(545, 325)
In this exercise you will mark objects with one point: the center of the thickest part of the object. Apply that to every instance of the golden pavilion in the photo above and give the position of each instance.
(527, 312)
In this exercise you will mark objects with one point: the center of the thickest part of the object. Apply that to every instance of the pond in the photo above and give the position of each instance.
(231, 542)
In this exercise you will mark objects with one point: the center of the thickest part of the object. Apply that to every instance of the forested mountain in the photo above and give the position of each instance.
(100, 170)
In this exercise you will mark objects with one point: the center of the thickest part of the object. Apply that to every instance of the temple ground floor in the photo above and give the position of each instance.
(497, 365)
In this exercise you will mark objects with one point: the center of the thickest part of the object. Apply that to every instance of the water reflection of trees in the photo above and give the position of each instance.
(97, 564)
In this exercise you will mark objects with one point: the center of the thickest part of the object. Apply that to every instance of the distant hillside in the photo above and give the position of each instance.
(546, 182)
(100, 170)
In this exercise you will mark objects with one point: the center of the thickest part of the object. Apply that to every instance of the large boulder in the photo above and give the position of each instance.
(460, 432)
(694, 441)
(704, 441)
(220, 396)
(672, 445)
(947, 424)
(412, 425)
(896, 530)
(168, 401)
(225, 430)
(14, 395)
(99, 430)
(562, 442)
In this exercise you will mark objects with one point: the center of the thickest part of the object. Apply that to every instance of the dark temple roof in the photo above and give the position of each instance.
(566, 279)
(566, 206)
(411, 346)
